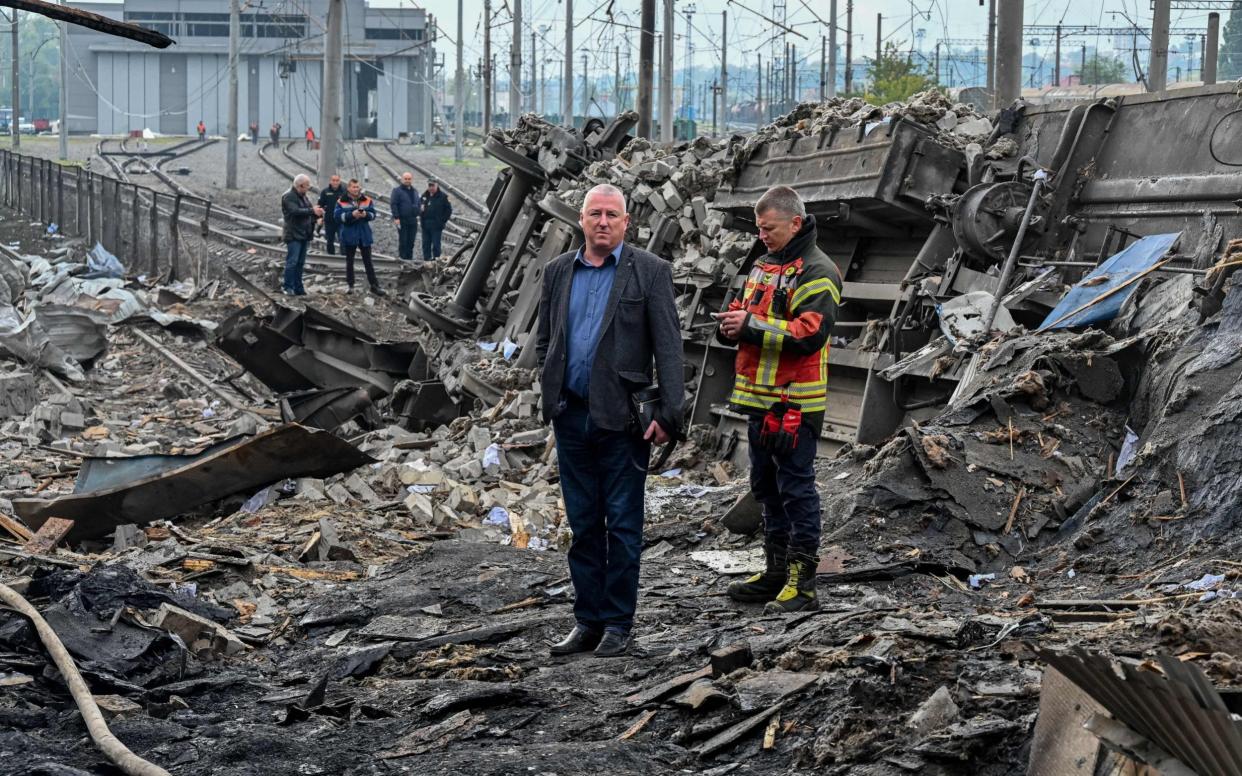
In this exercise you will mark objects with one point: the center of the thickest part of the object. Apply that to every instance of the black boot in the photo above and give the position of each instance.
(766, 584)
(798, 594)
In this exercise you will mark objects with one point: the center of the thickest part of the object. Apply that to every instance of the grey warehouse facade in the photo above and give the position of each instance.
(117, 86)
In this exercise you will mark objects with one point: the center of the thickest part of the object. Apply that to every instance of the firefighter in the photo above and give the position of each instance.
(781, 324)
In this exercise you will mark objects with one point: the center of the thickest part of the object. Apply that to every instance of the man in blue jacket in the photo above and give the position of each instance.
(405, 211)
(354, 212)
(436, 213)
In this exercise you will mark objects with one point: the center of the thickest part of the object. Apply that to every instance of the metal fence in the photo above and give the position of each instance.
(154, 233)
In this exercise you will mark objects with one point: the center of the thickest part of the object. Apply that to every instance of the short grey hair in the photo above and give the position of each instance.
(605, 188)
(301, 178)
(783, 200)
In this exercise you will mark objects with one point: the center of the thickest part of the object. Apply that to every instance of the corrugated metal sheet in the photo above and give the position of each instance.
(1179, 711)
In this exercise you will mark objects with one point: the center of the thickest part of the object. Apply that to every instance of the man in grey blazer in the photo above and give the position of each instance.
(606, 316)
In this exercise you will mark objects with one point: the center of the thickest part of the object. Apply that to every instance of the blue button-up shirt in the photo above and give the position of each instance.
(588, 297)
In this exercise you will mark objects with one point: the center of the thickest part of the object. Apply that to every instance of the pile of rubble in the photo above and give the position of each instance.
(288, 538)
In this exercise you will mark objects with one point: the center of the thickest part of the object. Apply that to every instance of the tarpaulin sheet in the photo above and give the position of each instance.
(1117, 270)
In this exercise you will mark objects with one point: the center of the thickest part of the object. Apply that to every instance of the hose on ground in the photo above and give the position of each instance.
(109, 744)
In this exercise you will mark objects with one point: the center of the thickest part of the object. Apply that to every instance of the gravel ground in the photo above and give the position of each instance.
(261, 187)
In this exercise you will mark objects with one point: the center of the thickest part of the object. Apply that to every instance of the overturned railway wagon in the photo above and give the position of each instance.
(914, 218)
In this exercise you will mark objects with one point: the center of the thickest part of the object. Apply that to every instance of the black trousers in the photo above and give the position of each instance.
(330, 229)
(350, 250)
(407, 230)
(785, 485)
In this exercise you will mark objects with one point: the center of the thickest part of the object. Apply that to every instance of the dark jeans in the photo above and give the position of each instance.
(350, 250)
(295, 260)
(603, 474)
(407, 230)
(431, 242)
(330, 229)
(785, 486)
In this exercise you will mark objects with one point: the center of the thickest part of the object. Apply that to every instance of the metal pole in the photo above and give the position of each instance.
(63, 132)
(515, 66)
(823, 66)
(488, 95)
(724, 70)
(230, 159)
(17, 93)
(1158, 59)
(832, 49)
(937, 62)
(459, 105)
(616, 80)
(1211, 48)
(879, 43)
(666, 76)
(429, 54)
(849, 45)
(646, 66)
(991, 65)
(1041, 176)
(533, 105)
(567, 83)
(758, 89)
(586, 90)
(330, 113)
(1009, 52)
(1056, 65)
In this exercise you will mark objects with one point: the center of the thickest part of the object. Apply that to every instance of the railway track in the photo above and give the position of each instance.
(456, 191)
(461, 225)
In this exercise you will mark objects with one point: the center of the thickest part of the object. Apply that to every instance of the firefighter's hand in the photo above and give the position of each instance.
(656, 434)
(731, 323)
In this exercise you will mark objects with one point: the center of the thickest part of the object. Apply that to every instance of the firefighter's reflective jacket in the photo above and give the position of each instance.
(791, 298)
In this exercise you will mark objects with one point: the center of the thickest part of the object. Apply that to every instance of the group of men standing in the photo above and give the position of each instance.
(609, 332)
(346, 213)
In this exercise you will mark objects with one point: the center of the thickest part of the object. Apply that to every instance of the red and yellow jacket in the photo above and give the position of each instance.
(792, 298)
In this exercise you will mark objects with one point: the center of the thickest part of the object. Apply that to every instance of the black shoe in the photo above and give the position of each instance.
(299, 293)
(614, 644)
(763, 587)
(377, 291)
(798, 595)
(579, 640)
(349, 289)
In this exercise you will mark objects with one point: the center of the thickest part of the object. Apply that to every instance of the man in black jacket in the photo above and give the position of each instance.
(299, 216)
(405, 209)
(606, 315)
(327, 200)
(436, 213)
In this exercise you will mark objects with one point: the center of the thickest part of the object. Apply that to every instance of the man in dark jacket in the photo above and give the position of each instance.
(299, 216)
(436, 213)
(327, 200)
(606, 315)
(355, 211)
(405, 204)
(254, 133)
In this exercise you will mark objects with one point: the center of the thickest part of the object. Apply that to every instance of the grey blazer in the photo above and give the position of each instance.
(640, 327)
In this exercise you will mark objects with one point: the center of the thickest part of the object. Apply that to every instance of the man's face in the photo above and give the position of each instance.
(407, 179)
(302, 186)
(604, 221)
(334, 181)
(433, 188)
(776, 229)
(355, 189)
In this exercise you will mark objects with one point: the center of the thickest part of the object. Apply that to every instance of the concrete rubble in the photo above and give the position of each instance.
(1027, 510)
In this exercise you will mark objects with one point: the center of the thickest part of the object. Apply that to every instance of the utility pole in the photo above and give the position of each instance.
(17, 92)
(715, 106)
(1009, 52)
(937, 62)
(832, 48)
(533, 105)
(823, 65)
(1056, 64)
(991, 64)
(1158, 59)
(646, 66)
(724, 70)
(687, 88)
(459, 102)
(567, 83)
(488, 96)
(792, 78)
(758, 89)
(230, 159)
(879, 45)
(586, 90)
(616, 80)
(64, 92)
(849, 45)
(1211, 48)
(515, 66)
(428, 62)
(666, 76)
(330, 115)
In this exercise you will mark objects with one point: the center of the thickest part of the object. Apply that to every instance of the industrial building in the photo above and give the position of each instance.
(117, 86)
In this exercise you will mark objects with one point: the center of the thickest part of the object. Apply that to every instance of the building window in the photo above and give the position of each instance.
(392, 33)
